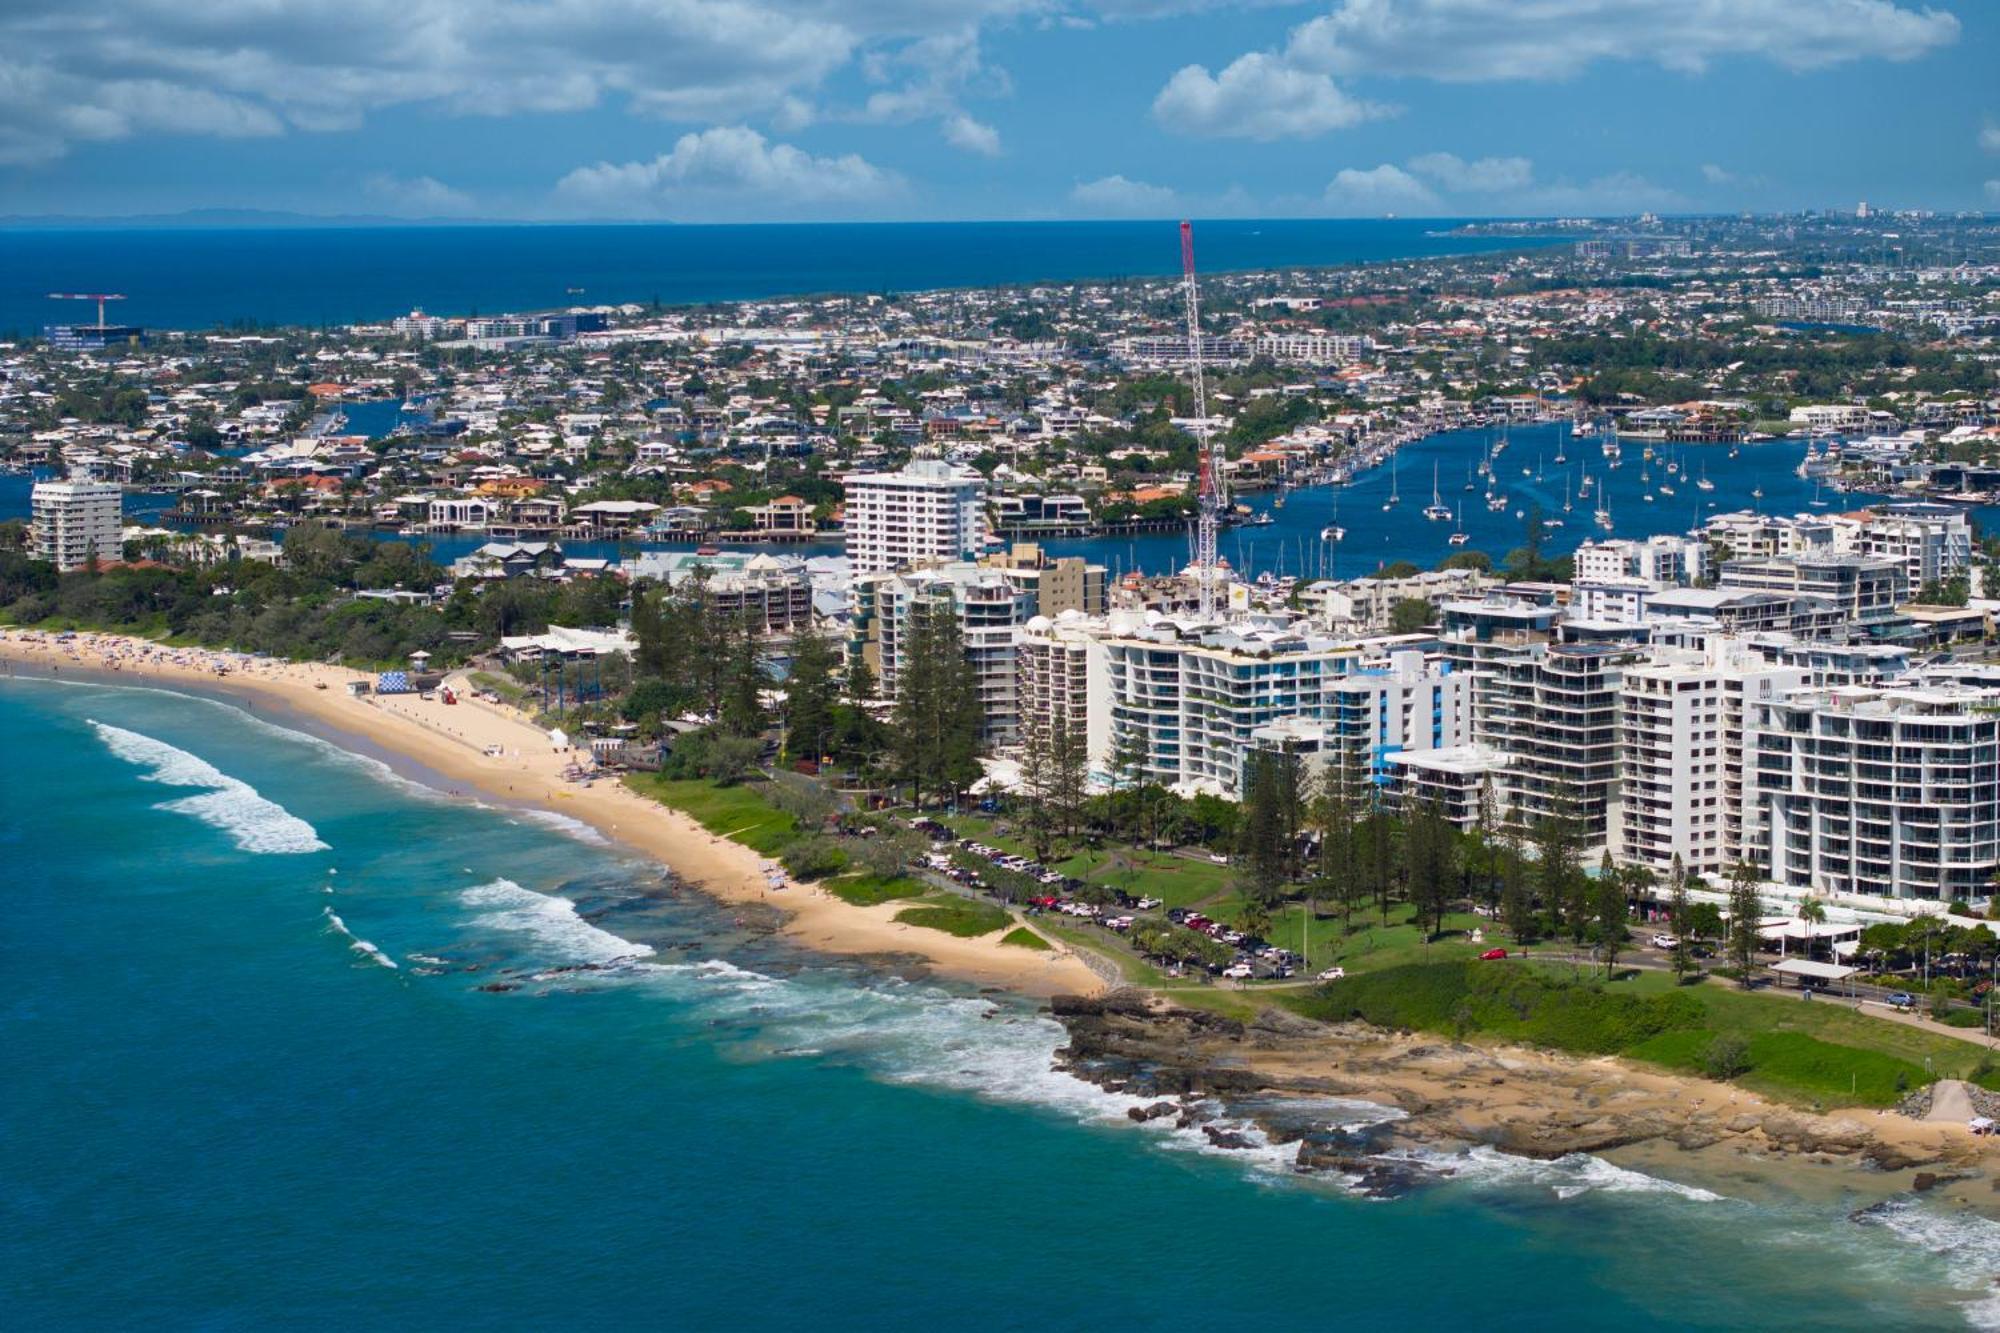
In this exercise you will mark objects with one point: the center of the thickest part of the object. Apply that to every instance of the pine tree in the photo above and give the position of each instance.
(809, 697)
(1681, 918)
(1746, 909)
(742, 682)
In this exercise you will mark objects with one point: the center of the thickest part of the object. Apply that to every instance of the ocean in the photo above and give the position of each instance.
(292, 1041)
(192, 278)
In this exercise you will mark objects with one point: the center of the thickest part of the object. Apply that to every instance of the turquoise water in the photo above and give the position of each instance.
(226, 1109)
(194, 278)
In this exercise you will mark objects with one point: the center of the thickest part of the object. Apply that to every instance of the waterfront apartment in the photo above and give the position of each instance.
(1383, 710)
(1891, 791)
(75, 522)
(990, 609)
(929, 511)
(1681, 727)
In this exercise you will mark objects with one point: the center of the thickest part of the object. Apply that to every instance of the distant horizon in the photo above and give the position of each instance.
(291, 219)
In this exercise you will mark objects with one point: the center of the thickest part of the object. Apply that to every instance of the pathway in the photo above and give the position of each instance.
(1951, 1104)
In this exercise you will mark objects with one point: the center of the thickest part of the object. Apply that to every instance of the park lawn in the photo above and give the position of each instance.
(1755, 1012)
(869, 890)
(1371, 945)
(1023, 938)
(955, 916)
(1177, 881)
(738, 813)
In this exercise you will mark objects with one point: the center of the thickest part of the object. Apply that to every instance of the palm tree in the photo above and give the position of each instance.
(1813, 912)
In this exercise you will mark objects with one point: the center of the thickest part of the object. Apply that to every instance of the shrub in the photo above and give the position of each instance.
(812, 858)
(962, 918)
(1727, 1056)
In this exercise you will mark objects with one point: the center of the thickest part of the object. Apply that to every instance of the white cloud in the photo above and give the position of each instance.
(1257, 96)
(1993, 191)
(1384, 189)
(1488, 175)
(962, 131)
(418, 196)
(1115, 196)
(1482, 40)
(76, 71)
(726, 171)
(1715, 175)
(1989, 138)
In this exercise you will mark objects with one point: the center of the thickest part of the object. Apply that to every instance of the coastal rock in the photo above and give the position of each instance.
(1925, 1181)
(1227, 1138)
(1156, 1111)
(1897, 1157)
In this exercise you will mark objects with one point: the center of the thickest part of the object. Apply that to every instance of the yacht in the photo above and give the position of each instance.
(1703, 483)
(1332, 532)
(1437, 510)
(1393, 499)
(1459, 535)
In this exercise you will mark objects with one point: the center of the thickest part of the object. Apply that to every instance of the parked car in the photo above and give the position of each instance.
(1333, 974)
(1492, 954)
(1665, 942)
(1902, 999)
(1240, 971)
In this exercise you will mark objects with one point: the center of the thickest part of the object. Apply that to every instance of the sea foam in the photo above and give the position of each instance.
(551, 921)
(252, 822)
(356, 943)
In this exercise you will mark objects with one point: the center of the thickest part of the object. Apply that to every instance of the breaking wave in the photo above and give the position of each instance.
(252, 822)
(550, 921)
(356, 943)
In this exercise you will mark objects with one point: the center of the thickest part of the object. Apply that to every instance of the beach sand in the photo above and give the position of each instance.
(497, 751)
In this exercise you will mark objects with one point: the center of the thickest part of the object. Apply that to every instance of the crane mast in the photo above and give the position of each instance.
(1208, 476)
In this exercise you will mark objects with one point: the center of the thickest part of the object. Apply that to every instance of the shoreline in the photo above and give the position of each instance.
(1528, 1103)
(452, 742)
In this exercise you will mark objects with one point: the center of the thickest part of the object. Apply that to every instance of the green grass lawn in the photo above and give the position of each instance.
(1732, 1009)
(868, 890)
(737, 812)
(1023, 938)
(505, 686)
(1370, 945)
(955, 916)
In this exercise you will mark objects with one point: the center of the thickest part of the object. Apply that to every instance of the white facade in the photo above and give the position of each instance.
(1931, 542)
(1379, 712)
(76, 520)
(1680, 750)
(990, 608)
(1890, 792)
(1657, 560)
(928, 512)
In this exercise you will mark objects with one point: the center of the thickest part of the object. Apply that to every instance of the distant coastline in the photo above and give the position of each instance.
(303, 272)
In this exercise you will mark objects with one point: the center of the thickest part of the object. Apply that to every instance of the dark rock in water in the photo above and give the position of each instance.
(497, 986)
(1926, 1181)
(1154, 1112)
(1226, 1138)
(1873, 1214)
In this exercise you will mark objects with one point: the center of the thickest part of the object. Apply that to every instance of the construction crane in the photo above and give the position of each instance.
(99, 297)
(1209, 491)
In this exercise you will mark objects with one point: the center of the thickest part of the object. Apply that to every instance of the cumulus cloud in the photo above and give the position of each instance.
(722, 172)
(1384, 189)
(1257, 96)
(1989, 137)
(962, 131)
(418, 196)
(1488, 175)
(74, 71)
(1439, 182)
(1116, 196)
(1715, 175)
(1481, 40)
(1295, 91)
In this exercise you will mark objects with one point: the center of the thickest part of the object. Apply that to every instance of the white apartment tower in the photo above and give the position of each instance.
(1889, 792)
(76, 520)
(1681, 789)
(930, 511)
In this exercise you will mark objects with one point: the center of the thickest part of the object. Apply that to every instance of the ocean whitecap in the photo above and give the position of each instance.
(252, 822)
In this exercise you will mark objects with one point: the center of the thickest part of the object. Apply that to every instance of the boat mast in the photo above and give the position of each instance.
(1208, 485)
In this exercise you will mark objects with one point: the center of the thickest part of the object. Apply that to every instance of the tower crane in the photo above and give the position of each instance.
(1210, 491)
(99, 297)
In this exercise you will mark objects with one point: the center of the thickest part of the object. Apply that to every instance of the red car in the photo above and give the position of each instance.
(1492, 954)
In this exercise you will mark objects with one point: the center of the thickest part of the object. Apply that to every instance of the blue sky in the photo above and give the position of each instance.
(755, 110)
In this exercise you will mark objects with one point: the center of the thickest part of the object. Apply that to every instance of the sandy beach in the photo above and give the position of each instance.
(501, 754)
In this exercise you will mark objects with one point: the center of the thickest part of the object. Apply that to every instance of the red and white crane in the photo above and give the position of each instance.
(1209, 488)
(99, 297)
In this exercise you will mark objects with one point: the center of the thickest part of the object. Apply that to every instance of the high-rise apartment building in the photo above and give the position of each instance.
(930, 511)
(75, 521)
